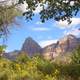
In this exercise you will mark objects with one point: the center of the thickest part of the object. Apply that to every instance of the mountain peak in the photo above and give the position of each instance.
(31, 47)
(29, 38)
(68, 37)
(71, 36)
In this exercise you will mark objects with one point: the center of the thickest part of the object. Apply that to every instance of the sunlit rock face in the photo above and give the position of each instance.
(64, 45)
(31, 47)
(68, 43)
(49, 51)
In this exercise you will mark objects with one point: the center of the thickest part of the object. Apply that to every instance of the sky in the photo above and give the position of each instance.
(43, 33)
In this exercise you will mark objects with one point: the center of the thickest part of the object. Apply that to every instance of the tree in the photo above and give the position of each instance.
(51, 9)
(7, 15)
(57, 9)
(2, 49)
(76, 56)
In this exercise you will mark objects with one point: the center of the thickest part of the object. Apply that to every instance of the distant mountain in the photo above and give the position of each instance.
(11, 55)
(64, 45)
(68, 43)
(31, 47)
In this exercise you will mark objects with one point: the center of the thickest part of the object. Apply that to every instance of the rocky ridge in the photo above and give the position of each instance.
(63, 46)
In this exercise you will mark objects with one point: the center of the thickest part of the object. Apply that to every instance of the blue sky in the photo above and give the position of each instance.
(43, 33)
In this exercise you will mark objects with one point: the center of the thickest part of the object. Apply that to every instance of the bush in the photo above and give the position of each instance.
(37, 68)
(76, 56)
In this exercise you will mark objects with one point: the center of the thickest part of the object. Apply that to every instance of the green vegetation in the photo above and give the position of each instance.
(55, 9)
(2, 49)
(76, 56)
(7, 18)
(37, 68)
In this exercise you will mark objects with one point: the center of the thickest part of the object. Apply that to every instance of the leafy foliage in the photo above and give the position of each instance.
(7, 15)
(76, 56)
(57, 9)
(2, 49)
(37, 68)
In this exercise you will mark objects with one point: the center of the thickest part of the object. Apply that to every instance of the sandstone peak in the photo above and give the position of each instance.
(31, 47)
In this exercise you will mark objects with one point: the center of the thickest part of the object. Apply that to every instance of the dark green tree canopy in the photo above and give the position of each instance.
(56, 9)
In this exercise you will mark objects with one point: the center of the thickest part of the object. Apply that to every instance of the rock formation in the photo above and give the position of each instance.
(31, 47)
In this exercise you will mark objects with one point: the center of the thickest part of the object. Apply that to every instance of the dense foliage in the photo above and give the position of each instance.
(57, 9)
(37, 68)
(76, 56)
(2, 49)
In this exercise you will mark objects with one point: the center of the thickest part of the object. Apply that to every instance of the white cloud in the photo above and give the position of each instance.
(38, 9)
(39, 23)
(65, 1)
(41, 29)
(8, 2)
(64, 24)
(47, 42)
(22, 7)
(72, 3)
(74, 32)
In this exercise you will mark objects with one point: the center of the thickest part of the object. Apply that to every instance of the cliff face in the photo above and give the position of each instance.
(64, 45)
(67, 43)
(31, 47)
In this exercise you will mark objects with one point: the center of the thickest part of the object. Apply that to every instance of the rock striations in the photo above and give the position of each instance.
(64, 45)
